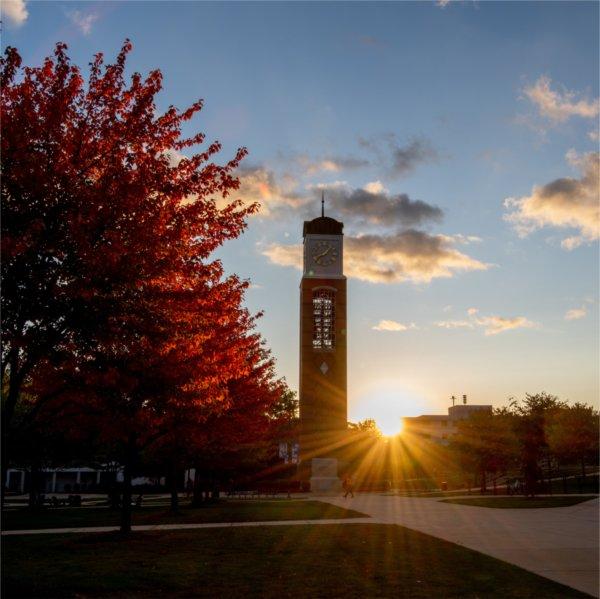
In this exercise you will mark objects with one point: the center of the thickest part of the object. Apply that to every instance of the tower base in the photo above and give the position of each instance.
(324, 478)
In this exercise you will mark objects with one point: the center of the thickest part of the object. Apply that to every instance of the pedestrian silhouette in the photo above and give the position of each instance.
(348, 486)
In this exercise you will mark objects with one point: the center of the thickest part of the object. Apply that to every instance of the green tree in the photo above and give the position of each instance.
(533, 414)
(572, 434)
(367, 427)
(485, 443)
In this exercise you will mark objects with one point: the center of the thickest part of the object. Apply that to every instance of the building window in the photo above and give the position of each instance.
(323, 319)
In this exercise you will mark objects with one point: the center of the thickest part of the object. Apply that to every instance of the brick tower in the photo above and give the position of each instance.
(323, 395)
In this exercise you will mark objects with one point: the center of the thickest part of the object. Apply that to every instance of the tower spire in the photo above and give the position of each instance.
(322, 203)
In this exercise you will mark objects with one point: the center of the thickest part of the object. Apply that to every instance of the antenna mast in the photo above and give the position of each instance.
(322, 203)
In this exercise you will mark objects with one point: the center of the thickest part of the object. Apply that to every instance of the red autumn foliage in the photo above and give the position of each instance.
(112, 309)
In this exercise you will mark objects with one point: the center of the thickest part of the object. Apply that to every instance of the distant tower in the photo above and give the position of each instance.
(323, 392)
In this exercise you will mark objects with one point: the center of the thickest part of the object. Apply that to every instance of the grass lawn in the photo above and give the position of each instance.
(518, 502)
(225, 511)
(332, 560)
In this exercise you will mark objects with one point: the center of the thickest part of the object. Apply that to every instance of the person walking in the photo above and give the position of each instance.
(348, 486)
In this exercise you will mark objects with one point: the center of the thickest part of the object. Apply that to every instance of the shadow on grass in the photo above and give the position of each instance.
(226, 511)
(518, 502)
(332, 560)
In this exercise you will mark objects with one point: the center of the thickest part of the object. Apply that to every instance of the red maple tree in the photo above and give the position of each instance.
(112, 308)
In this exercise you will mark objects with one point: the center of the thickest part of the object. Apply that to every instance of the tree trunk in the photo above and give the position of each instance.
(15, 380)
(174, 490)
(483, 483)
(114, 493)
(583, 468)
(197, 490)
(215, 493)
(127, 476)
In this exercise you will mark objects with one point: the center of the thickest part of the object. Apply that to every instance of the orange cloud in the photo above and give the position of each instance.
(492, 324)
(576, 313)
(498, 324)
(392, 325)
(454, 324)
(408, 256)
(260, 185)
(558, 106)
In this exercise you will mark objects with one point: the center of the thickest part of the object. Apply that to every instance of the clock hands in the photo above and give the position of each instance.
(326, 257)
(323, 254)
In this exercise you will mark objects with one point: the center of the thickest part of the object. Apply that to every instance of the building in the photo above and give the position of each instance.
(323, 388)
(440, 428)
(72, 480)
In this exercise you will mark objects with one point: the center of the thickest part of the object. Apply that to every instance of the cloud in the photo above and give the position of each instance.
(400, 159)
(493, 325)
(407, 256)
(557, 106)
(284, 255)
(594, 135)
(392, 325)
(442, 3)
(563, 203)
(498, 324)
(259, 184)
(331, 164)
(375, 187)
(406, 158)
(374, 205)
(82, 20)
(576, 313)
(454, 324)
(15, 11)
(463, 239)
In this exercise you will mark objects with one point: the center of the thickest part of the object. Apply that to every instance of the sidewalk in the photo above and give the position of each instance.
(558, 543)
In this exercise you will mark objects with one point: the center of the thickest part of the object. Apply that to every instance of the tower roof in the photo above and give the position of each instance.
(323, 225)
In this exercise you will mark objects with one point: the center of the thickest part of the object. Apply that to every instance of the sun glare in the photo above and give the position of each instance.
(388, 402)
(390, 427)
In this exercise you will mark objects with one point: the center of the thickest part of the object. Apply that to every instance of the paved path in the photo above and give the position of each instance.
(558, 543)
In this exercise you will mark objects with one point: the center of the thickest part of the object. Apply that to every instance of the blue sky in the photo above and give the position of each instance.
(459, 106)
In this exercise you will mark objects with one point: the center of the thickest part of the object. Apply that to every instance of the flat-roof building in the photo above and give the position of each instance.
(441, 427)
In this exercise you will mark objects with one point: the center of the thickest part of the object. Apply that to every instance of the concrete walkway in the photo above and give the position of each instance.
(558, 543)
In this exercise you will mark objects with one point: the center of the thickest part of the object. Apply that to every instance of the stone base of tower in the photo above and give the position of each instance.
(322, 462)
(324, 479)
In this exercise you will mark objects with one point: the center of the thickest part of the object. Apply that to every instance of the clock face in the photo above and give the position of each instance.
(324, 253)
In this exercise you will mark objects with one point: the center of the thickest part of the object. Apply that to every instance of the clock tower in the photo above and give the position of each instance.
(323, 395)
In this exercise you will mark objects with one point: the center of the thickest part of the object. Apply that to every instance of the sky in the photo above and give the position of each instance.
(456, 140)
